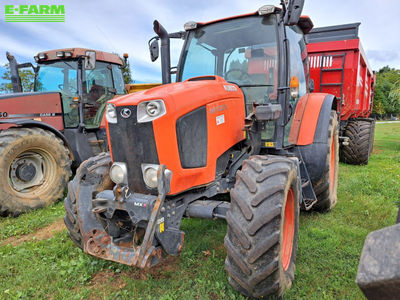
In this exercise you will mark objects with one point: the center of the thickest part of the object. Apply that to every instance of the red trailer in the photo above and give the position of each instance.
(339, 66)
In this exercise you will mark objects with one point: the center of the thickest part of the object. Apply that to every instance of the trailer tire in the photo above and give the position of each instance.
(361, 139)
(326, 187)
(263, 220)
(34, 169)
(98, 166)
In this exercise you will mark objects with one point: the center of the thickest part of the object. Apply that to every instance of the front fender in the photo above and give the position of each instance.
(314, 133)
(311, 118)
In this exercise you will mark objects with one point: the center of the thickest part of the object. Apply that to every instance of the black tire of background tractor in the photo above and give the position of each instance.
(326, 188)
(95, 166)
(361, 140)
(13, 143)
(254, 240)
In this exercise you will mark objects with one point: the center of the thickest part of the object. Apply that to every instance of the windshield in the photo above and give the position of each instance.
(243, 51)
(57, 76)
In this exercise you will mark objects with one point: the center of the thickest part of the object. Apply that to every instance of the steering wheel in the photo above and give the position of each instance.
(241, 77)
(71, 89)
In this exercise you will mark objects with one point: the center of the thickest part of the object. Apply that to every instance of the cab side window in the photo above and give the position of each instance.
(298, 57)
(298, 69)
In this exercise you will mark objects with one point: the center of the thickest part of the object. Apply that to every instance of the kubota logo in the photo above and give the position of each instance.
(34, 13)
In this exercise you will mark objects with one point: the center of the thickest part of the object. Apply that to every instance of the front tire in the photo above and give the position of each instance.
(34, 169)
(263, 222)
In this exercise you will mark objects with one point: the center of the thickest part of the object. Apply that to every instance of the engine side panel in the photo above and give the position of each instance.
(225, 123)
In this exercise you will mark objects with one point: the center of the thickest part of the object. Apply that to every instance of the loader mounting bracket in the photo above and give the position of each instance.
(99, 243)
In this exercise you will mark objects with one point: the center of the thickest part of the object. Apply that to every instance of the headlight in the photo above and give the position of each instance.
(119, 173)
(111, 113)
(150, 175)
(150, 110)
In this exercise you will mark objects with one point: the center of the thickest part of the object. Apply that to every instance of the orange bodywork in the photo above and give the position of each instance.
(220, 99)
(305, 119)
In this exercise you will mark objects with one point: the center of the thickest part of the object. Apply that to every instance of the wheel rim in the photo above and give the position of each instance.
(333, 164)
(41, 165)
(288, 230)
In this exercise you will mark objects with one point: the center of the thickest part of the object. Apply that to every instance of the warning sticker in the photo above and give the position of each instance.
(220, 119)
(161, 226)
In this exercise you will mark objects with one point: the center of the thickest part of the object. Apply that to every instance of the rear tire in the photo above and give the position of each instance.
(326, 187)
(263, 220)
(97, 166)
(44, 163)
(361, 140)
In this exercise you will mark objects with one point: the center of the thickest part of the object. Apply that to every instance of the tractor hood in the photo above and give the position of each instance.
(196, 91)
(200, 119)
(26, 94)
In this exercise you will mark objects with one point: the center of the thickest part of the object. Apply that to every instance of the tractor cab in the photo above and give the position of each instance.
(262, 54)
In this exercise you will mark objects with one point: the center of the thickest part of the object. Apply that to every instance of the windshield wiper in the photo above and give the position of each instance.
(68, 64)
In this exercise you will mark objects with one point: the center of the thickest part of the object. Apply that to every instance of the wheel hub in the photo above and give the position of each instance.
(27, 171)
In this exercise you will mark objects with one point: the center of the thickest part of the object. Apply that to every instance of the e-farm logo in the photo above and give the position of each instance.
(34, 13)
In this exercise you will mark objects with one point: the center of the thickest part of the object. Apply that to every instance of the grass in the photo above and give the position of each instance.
(329, 247)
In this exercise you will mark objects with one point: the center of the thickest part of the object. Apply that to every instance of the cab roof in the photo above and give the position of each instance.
(76, 52)
(305, 22)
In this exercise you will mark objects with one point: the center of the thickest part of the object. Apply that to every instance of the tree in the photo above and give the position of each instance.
(387, 91)
(126, 69)
(126, 72)
(27, 80)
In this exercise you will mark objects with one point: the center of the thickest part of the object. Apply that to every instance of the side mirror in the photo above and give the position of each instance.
(311, 85)
(90, 60)
(293, 12)
(154, 49)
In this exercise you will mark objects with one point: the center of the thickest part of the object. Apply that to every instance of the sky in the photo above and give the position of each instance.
(126, 26)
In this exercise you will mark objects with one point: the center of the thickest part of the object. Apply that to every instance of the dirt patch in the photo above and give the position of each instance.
(106, 281)
(376, 150)
(164, 270)
(41, 234)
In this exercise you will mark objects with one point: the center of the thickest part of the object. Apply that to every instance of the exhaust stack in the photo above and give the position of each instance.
(15, 79)
(165, 52)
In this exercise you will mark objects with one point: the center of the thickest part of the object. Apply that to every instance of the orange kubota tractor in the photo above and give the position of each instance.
(239, 121)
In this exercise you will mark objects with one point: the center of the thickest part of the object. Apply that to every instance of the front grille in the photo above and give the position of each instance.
(133, 143)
